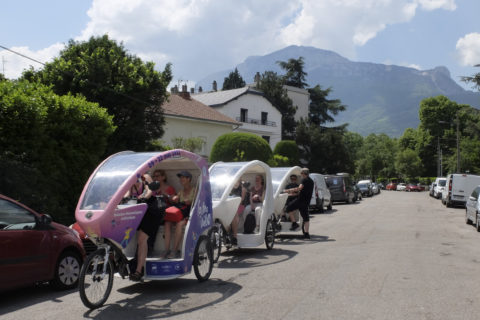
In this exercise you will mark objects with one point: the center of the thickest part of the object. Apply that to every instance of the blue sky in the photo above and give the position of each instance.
(204, 36)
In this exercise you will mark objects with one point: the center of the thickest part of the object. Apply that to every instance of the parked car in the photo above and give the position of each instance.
(381, 186)
(365, 189)
(341, 188)
(472, 208)
(401, 187)
(458, 188)
(440, 184)
(358, 193)
(391, 186)
(321, 196)
(432, 189)
(375, 188)
(414, 187)
(35, 249)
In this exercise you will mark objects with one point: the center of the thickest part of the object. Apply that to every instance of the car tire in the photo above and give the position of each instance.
(67, 271)
(320, 206)
(329, 207)
(477, 222)
(467, 221)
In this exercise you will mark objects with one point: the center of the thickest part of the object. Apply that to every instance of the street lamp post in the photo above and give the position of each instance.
(457, 122)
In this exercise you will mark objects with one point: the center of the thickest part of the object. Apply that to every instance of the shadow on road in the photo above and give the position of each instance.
(251, 258)
(163, 299)
(298, 239)
(14, 300)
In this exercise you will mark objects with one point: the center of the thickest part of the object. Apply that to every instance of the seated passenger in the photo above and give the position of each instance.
(239, 190)
(165, 190)
(256, 199)
(291, 196)
(185, 198)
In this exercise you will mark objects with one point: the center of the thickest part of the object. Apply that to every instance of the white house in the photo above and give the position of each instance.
(300, 99)
(188, 118)
(250, 107)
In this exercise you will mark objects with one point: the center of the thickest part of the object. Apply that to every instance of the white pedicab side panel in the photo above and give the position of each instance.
(225, 210)
(224, 175)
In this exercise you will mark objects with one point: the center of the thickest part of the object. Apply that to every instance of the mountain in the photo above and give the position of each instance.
(380, 98)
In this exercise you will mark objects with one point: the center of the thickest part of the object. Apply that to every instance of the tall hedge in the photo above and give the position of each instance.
(289, 149)
(49, 145)
(240, 146)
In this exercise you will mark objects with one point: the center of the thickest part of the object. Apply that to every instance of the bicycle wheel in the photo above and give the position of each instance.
(269, 235)
(94, 284)
(203, 259)
(216, 240)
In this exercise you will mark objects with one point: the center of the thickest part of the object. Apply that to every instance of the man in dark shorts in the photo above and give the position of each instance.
(304, 190)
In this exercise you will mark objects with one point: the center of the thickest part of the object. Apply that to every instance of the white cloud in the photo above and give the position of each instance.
(203, 36)
(468, 49)
(13, 64)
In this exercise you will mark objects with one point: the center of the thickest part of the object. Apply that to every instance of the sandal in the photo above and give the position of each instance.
(136, 276)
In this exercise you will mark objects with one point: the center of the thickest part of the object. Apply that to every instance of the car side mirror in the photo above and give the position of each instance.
(45, 220)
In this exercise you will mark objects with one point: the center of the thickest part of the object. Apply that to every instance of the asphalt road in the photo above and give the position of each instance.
(397, 255)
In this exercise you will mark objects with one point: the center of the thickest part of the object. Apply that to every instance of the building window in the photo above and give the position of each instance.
(243, 115)
(264, 118)
(267, 138)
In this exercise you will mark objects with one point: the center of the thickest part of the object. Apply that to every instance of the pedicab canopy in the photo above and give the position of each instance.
(99, 210)
(280, 178)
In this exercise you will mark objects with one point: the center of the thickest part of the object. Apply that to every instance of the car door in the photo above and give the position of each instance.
(24, 255)
(471, 205)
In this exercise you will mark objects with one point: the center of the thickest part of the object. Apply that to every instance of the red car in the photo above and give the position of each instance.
(391, 186)
(35, 249)
(414, 187)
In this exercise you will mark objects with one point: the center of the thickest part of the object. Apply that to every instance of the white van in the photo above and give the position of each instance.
(439, 186)
(458, 188)
(321, 196)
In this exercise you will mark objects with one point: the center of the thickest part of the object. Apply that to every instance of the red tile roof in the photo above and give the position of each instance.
(181, 105)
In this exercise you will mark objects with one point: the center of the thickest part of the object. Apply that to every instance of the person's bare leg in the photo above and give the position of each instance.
(168, 236)
(142, 250)
(178, 234)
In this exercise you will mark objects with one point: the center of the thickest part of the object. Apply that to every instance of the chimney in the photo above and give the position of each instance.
(200, 89)
(214, 85)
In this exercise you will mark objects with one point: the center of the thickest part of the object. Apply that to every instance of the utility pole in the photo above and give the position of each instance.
(439, 169)
(458, 144)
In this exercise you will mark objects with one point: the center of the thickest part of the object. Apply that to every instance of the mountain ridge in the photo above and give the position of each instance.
(379, 98)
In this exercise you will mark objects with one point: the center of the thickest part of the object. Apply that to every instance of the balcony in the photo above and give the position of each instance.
(256, 121)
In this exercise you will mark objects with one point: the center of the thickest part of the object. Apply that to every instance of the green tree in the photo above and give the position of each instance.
(295, 75)
(322, 109)
(323, 149)
(272, 86)
(130, 89)
(233, 81)
(288, 149)
(240, 146)
(377, 156)
(49, 145)
(189, 144)
(475, 79)
(408, 164)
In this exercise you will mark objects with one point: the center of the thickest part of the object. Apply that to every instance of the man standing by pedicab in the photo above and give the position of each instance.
(304, 190)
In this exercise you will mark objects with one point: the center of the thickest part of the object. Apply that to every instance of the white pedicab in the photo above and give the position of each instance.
(223, 176)
(112, 225)
(280, 179)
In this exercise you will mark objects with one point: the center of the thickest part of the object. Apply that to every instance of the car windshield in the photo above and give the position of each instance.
(442, 183)
(334, 181)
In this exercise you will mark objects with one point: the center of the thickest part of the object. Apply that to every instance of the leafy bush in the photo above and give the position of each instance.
(288, 149)
(240, 146)
(49, 146)
(279, 161)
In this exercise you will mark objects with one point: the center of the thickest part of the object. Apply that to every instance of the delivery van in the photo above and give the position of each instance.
(458, 188)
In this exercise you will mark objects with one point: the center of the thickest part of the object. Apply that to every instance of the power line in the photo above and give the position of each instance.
(22, 55)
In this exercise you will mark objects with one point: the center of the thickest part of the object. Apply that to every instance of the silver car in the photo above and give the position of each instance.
(472, 208)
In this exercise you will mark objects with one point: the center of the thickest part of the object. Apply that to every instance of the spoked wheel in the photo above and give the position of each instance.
(203, 259)
(96, 279)
(215, 235)
(269, 235)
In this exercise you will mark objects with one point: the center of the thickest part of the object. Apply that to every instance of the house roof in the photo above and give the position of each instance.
(218, 98)
(183, 106)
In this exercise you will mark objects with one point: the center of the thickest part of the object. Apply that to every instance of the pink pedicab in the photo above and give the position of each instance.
(280, 179)
(223, 177)
(112, 224)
